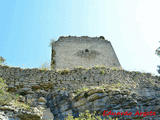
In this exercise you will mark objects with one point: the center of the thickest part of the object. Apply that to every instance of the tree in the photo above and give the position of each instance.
(2, 60)
(158, 53)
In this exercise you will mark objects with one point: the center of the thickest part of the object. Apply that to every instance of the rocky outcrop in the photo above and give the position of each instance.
(65, 92)
(115, 98)
(22, 111)
(10, 112)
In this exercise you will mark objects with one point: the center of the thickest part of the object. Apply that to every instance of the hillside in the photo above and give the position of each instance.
(63, 92)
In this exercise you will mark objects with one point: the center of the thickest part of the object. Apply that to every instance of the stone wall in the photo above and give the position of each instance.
(32, 79)
(70, 52)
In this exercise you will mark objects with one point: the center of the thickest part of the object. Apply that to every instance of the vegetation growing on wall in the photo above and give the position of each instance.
(7, 98)
(2, 60)
(88, 116)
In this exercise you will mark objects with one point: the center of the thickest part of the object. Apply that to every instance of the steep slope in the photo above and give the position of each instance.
(65, 92)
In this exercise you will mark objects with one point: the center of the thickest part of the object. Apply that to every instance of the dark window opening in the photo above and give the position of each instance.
(86, 50)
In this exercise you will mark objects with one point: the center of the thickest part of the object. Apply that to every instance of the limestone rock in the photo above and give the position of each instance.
(47, 115)
(42, 99)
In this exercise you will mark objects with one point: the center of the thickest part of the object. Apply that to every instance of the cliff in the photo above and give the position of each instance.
(65, 92)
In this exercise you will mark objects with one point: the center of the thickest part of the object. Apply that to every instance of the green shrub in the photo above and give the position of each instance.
(3, 86)
(5, 97)
(85, 116)
(83, 89)
(102, 72)
(89, 116)
(65, 71)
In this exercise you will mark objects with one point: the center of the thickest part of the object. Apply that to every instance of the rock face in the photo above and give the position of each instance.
(9, 112)
(65, 92)
(109, 98)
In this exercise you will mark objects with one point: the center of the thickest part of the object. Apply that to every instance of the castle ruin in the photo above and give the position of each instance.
(70, 52)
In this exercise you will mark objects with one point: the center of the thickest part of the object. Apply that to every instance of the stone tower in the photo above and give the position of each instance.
(70, 52)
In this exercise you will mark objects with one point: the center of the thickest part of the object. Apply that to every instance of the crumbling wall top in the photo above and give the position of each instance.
(74, 38)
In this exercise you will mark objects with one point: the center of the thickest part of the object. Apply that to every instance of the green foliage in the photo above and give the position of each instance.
(88, 116)
(102, 72)
(83, 89)
(21, 105)
(3, 86)
(28, 117)
(114, 68)
(2, 60)
(5, 97)
(80, 67)
(65, 71)
(99, 66)
(85, 116)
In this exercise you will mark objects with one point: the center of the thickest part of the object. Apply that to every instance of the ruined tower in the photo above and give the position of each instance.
(70, 52)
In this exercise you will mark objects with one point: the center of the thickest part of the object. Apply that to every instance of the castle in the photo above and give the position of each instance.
(70, 52)
(59, 93)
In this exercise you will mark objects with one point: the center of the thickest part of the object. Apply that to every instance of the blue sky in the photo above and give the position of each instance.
(27, 26)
